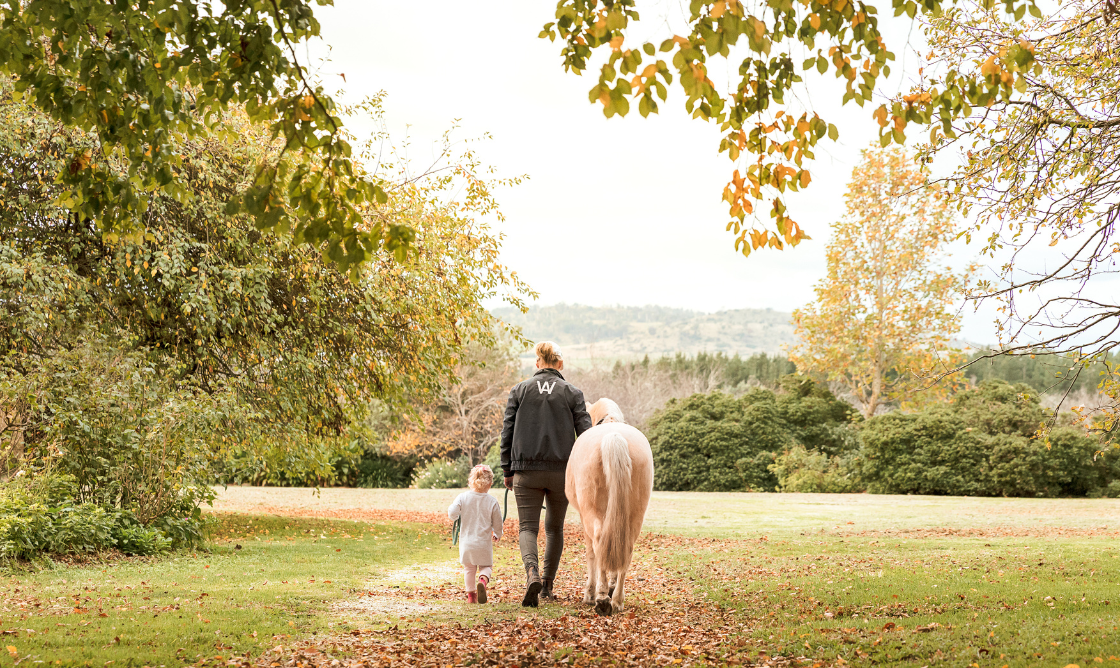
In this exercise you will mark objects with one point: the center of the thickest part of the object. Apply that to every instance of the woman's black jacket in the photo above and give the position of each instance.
(544, 415)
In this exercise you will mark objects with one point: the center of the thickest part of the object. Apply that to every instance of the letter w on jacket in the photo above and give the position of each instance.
(544, 415)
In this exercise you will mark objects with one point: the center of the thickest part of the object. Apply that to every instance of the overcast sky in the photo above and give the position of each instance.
(615, 211)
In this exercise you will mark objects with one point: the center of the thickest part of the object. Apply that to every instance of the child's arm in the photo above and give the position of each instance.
(496, 521)
(456, 508)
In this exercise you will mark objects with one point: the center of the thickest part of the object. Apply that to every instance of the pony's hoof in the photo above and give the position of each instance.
(587, 600)
(603, 607)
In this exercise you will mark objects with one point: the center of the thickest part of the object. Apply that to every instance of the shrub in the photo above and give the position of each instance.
(802, 470)
(718, 442)
(494, 458)
(439, 474)
(816, 418)
(710, 442)
(982, 444)
(932, 452)
(41, 516)
(379, 470)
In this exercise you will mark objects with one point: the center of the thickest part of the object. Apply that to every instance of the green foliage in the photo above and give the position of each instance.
(717, 442)
(126, 436)
(494, 459)
(376, 469)
(816, 418)
(812, 471)
(981, 444)
(42, 515)
(210, 299)
(441, 474)
(146, 80)
(319, 462)
(143, 365)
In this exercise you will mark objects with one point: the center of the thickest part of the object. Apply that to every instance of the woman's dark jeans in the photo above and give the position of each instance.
(532, 489)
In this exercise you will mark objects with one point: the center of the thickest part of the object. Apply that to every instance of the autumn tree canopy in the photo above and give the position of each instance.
(883, 315)
(219, 311)
(767, 133)
(1039, 179)
(145, 79)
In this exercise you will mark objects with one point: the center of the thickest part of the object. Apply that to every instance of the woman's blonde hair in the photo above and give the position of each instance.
(549, 353)
(480, 473)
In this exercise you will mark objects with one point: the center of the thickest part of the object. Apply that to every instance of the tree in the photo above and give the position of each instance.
(464, 416)
(882, 317)
(760, 116)
(1040, 179)
(146, 79)
(273, 340)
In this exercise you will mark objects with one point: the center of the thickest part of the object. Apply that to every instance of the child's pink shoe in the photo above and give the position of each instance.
(472, 597)
(480, 588)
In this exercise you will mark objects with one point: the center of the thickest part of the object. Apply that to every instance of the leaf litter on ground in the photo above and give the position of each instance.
(664, 622)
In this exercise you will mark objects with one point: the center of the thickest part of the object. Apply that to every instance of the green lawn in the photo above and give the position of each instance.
(281, 582)
(991, 602)
(861, 580)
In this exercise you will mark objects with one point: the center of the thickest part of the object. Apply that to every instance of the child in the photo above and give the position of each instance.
(480, 519)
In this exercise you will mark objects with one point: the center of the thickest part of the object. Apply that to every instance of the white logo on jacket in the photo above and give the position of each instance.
(541, 389)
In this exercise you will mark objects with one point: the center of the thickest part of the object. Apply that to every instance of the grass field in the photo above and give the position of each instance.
(747, 579)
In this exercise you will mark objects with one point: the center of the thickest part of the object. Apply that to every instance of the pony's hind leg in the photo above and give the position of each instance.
(589, 591)
(602, 597)
(618, 594)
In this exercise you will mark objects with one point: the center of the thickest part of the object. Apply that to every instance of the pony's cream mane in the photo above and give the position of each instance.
(605, 410)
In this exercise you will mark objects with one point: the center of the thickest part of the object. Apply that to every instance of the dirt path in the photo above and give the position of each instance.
(664, 624)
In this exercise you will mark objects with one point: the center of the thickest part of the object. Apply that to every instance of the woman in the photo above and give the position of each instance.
(543, 417)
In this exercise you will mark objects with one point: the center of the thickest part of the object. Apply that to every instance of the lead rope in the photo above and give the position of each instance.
(458, 521)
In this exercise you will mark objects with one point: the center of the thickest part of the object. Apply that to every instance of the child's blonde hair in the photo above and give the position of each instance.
(480, 474)
(549, 353)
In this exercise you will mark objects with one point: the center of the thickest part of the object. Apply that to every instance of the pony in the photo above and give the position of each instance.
(609, 480)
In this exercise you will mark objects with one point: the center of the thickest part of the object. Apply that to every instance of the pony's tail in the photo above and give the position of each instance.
(615, 539)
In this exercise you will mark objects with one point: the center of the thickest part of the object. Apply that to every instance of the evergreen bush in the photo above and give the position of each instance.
(719, 443)
(440, 474)
(982, 444)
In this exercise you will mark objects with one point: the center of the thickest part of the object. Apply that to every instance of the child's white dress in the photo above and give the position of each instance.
(480, 515)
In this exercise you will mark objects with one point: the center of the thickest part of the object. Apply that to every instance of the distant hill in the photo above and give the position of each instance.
(626, 332)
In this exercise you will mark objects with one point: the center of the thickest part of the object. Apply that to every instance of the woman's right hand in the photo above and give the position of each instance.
(509, 482)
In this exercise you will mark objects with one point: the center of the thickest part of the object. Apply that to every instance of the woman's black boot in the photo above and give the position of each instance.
(532, 589)
(546, 590)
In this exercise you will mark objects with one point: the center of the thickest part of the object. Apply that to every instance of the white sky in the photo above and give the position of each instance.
(616, 211)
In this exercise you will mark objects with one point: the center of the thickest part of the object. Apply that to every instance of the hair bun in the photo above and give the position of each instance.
(549, 353)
